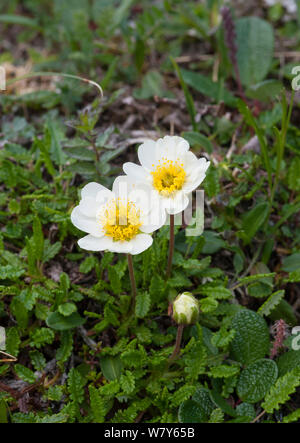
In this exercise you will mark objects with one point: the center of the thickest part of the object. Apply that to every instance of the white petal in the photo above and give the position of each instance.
(86, 224)
(92, 189)
(173, 147)
(147, 154)
(136, 172)
(190, 162)
(88, 206)
(140, 193)
(140, 243)
(155, 219)
(176, 204)
(91, 243)
(196, 175)
(121, 247)
(190, 186)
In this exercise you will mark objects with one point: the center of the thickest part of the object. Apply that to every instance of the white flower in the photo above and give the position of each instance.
(119, 220)
(171, 169)
(185, 309)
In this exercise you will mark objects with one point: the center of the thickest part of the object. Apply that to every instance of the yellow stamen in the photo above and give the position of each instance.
(120, 220)
(168, 177)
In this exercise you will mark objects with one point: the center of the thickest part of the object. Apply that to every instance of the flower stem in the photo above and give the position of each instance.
(178, 343)
(171, 247)
(132, 279)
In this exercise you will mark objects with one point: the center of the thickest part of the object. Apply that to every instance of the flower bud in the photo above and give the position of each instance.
(185, 309)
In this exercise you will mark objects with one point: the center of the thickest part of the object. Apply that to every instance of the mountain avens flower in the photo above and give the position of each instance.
(185, 309)
(119, 220)
(170, 169)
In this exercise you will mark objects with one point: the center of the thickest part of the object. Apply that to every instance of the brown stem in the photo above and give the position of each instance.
(259, 417)
(132, 278)
(178, 343)
(171, 247)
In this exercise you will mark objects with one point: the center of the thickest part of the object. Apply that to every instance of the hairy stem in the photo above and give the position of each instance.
(178, 343)
(171, 247)
(132, 278)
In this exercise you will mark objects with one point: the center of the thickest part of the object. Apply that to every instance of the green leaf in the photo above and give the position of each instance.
(13, 341)
(223, 371)
(38, 238)
(207, 87)
(293, 416)
(66, 346)
(212, 182)
(217, 292)
(291, 263)
(281, 391)
(217, 416)
(265, 91)
(254, 219)
(293, 174)
(182, 394)
(75, 385)
(14, 19)
(198, 140)
(111, 367)
(256, 380)
(3, 412)
(208, 304)
(191, 412)
(61, 323)
(80, 153)
(252, 340)
(288, 361)
(67, 309)
(114, 279)
(255, 41)
(197, 409)
(50, 250)
(267, 307)
(188, 97)
(264, 277)
(41, 336)
(97, 405)
(24, 373)
(127, 382)
(152, 84)
(142, 305)
(10, 272)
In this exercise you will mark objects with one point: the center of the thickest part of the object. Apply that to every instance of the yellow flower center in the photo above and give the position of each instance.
(121, 221)
(168, 177)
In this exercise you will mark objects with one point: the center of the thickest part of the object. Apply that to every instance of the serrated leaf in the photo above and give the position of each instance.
(208, 304)
(270, 304)
(127, 382)
(75, 385)
(223, 371)
(24, 373)
(67, 309)
(256, 380)
(142, 305)
(217, 292)
(97, 405)
(288, 361)
(252, 340)
(281, 391)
